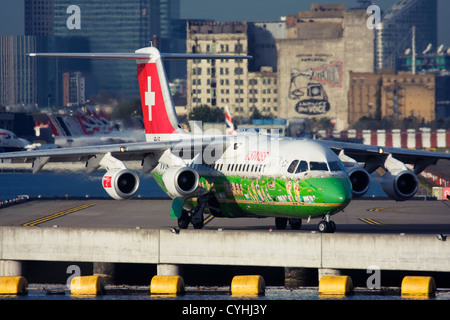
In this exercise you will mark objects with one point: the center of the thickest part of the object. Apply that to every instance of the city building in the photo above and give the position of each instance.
(74, 89)
(263, 92)
(217, 82)
(427, 62)
(39, 17)
(245, 86)
(392, 96)
(109, 26)
(18, 82)
(435, 63)
(442, 97)
(314, 61)
(406, 22)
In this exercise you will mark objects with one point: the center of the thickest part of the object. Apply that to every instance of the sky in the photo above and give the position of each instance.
(11, 12)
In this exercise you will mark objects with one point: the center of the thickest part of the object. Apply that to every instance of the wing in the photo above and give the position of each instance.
(376, 156)
(92, 155)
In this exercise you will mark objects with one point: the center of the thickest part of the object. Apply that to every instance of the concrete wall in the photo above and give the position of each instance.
(244, 248)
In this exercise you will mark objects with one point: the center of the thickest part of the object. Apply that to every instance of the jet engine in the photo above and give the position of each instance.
(360, 180)
(121, 184)
(359, 177)
(181, 182)
(400, 185)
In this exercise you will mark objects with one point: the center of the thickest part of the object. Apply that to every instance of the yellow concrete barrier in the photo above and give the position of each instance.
(88, 285)
(248, 285)
(13, 286)
(335, 285)
(418, 287)
(171, 285)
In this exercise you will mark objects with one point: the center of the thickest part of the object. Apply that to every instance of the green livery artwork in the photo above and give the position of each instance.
(241, 186)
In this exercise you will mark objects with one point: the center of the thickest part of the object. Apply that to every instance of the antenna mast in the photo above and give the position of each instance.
(414, 50)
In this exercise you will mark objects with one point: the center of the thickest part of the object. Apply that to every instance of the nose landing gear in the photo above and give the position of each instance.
(326, 225)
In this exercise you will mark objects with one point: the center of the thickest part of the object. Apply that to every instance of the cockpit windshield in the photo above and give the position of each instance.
(292, 167)
(302, 167)
(318, 166)
(335, 166)
(298, 166)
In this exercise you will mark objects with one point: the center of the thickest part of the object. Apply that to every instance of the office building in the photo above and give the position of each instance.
(222, 81)
(18, 82)
(393, 97)
(74, 89)
(39, 17)
(408, 25)
(106, 26)
(245, 86)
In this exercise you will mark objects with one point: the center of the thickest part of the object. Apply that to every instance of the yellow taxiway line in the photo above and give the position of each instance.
(56, 215)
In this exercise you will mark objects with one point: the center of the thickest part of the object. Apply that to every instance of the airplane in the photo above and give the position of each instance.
(10, 142)
(238, 175)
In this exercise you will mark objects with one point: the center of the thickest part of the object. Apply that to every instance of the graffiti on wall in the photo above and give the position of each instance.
(308, 87)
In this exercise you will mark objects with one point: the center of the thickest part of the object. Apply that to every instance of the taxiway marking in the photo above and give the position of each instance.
(57, 215)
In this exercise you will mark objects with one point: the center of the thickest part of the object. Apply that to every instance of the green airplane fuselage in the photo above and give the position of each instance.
(292, 179)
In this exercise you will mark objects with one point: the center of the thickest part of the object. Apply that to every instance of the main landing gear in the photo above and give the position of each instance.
(195, 215)
(281, 223)
(325, 226)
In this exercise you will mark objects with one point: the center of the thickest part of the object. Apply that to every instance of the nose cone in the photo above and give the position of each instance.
(337, 191)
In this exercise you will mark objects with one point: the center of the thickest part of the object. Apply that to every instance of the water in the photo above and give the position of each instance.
(59, 292)
(68, 184)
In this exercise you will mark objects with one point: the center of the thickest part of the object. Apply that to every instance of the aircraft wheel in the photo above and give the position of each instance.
(332, 227)
(198, 225)
(296, 224)
(184, 220)
(327, 227)
(281, 223)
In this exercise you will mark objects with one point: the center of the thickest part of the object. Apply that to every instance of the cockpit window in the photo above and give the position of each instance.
(318, 166)
(335, 166)
(292, 167)
(302, 167)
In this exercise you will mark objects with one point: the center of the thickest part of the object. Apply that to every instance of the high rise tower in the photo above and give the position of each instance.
(396, 33)
(97, 26)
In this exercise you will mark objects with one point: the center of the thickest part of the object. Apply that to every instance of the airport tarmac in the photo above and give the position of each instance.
(361, 216)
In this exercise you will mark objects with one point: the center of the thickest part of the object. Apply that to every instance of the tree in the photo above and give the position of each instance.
(205, 113)
(257, 115)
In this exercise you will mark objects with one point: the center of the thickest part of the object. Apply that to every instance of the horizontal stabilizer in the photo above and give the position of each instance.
(138, 56)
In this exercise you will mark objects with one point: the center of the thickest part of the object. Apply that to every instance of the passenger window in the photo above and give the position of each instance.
(292, 167)
(318, 166)
(335, 166)
(302, 167)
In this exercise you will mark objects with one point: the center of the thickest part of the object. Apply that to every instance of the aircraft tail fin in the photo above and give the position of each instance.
(229, 122)
(160, 119)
